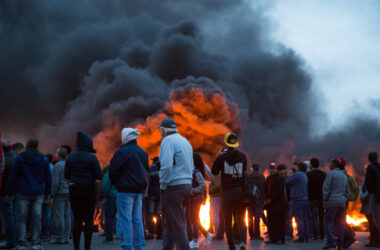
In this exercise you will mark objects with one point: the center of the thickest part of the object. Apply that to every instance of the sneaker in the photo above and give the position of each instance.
(194, 244)
(257, 238)
(348, 243)
(37, 247)
(208, 239)
(107, 241)
(328, 246)
(56, 242)
(242, 246)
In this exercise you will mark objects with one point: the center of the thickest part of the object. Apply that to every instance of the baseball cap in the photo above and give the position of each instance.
(168, 123)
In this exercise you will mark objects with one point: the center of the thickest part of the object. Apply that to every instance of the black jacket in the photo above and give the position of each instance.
(277, 194)
(233, 165)
(129, 168)
(82, 167)
(154, 182)
(258, 179)
(9, 161)
(315, 180)
(372, 178)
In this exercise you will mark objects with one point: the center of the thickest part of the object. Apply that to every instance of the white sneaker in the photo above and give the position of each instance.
(208, 239)
(242, 246)
(191, 244)
(194, 244)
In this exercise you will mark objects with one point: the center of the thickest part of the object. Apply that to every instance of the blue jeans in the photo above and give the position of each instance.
(46, 222)
(62, 218)
(337, 214)
(316, 218)
(7, 212)
(289, 224)
(130, 214)
(24, 203)
(110, 212)
(174, 199)
(300, 211)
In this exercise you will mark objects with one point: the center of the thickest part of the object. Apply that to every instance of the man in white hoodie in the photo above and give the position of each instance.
(176, 174)
(128, 173)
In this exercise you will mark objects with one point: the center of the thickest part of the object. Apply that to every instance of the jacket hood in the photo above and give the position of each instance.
(84, 142)
(129, 134)
(32, 157)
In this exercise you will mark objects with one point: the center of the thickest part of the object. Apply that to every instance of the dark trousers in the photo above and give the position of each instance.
(110, 217)
(337, 216)
(233, 208)
(277, 221)
(193, 220)
(82, 199)
(316, 219)
(257, 212)
(174, 200)
(8, 214)
(153, 207)
(373, 233)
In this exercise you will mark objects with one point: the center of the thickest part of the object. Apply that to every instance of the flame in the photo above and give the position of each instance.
(204, 214)
(154, 220)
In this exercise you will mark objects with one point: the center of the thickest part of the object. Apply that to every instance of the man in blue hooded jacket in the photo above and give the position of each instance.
(32, 177)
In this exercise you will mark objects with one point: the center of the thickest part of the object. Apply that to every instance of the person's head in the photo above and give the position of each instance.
(335, 163)
(67, 147)
(156, 162)
(61, 153)
(231, 141)
(272, 168)
(6, 147)
(199, 164)
(314, 163)
(256, 167)
(373, 157)
(282, 170)
(32, 143)
(301, 167)
(18, 148)
(129, 134)
(49, 157)
(168, 126)
(342, 164)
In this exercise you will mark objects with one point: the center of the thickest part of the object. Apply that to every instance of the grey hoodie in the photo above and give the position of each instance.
(60, 186)
(335, 189)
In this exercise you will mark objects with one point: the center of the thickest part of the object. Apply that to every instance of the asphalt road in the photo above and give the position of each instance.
(362, 239)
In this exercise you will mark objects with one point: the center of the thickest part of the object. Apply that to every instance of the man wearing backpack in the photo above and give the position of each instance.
(233, 165)
(372, 183)
(353, 194)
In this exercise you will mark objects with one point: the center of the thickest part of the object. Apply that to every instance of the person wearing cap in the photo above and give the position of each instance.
(299, 198)
(128, 172)
(233, 165)
(176, 175)
(276, 205)
(335, 193)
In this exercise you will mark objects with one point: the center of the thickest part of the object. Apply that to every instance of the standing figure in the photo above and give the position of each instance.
(176, 174)
(128, 173)
(232, 164)
(82, 169)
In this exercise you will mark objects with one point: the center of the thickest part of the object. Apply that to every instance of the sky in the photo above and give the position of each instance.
(340, 42)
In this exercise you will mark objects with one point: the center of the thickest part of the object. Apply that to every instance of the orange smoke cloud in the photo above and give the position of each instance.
(202, 117)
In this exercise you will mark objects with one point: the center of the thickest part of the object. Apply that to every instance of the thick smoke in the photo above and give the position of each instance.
(70, 65)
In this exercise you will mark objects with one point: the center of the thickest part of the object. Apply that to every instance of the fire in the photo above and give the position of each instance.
(204, 214)
(154, 220)
(356, 220)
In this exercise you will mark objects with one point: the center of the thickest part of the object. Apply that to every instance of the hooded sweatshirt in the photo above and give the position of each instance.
(233, 165)
(31, 174)
(129, 166)
(82, 167)
(298, 186)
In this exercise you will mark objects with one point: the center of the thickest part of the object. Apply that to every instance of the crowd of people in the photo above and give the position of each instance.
(54, 198)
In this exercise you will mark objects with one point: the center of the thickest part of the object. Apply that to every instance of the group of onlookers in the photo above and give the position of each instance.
(163, 201)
